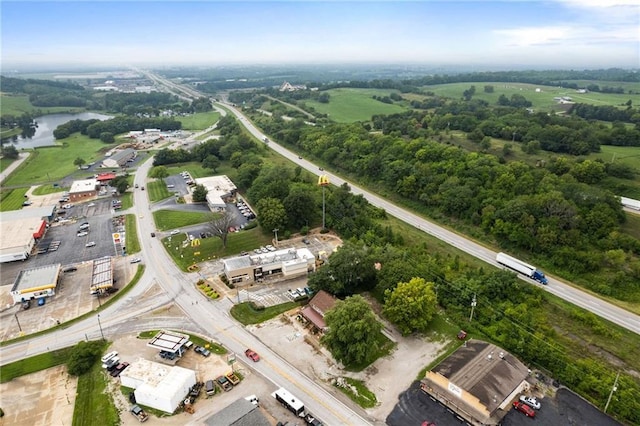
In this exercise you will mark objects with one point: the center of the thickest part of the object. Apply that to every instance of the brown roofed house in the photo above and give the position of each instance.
(315, 310)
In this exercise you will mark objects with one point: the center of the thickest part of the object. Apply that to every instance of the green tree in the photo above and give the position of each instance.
(411, 306)
(271, 214)
(83, 357)
(79, 162)
(300, 204)
(107, 137)
(353, 330)
(9, 151)
(158, 172)
(120, 183)
(211, 162)
(199, 194)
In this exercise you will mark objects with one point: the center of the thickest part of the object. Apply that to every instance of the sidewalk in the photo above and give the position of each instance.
(6, 172)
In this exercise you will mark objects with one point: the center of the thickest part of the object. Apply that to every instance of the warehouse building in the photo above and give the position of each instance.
(478, 382)
(158, 386)
(285, 263)
(119, 158)
(220, 189)
(83, 189)
(35, 283)
(20, 230)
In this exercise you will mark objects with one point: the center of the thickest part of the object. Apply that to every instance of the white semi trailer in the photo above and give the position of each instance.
(521, 267)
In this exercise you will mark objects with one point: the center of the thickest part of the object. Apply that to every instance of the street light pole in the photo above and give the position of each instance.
(19, 327)
(100, 325)
(275, 231)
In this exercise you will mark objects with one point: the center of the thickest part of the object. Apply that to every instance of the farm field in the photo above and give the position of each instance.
(542, 100)
(349, 105)
(17, 105)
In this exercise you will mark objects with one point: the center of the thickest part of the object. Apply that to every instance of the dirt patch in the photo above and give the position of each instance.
(387, 377)
(43, 398)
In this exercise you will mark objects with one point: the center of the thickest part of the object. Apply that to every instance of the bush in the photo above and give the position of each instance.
(83, 356)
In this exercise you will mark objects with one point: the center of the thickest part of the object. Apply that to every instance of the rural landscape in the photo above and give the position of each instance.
(323, 244)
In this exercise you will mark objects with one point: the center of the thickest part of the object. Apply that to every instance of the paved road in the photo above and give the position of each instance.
(6, 172)
(557, 287)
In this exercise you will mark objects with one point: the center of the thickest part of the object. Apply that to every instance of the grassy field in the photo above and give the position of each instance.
(211, 248)
(12, 199)
(542, 100)
(629, 155)
(19, 104)
(49, 164)
(349, 105)
(363, 396)
(199, 121)
(6, 162)
(33, 364)
(246, 312)
(157, 190)
(171, 219)
(48, 189)
(131, 234)
(93, 402)
(195, 169)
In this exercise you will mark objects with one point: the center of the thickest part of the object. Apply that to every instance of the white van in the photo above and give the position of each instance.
(108, 356)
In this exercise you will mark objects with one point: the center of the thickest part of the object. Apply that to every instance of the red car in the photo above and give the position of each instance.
(253, 355)
(524, 408)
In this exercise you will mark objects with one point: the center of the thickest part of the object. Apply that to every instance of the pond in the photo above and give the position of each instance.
(47, 124)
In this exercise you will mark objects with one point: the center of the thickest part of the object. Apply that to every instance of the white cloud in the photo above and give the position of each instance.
(532, 36)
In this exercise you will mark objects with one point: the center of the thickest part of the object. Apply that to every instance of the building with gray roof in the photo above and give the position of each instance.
(238, 413)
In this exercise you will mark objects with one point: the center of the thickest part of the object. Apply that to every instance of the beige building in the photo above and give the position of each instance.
(36, 283)
(478, 382)
(219, 190)
(83, 189)
(278, 264)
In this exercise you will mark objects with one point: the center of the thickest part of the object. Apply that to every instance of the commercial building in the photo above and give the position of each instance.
(219, 190)
(168, 341)
(119, 158)
(316, 308)
(239, 413)
(21, 229)
(158, 386)
(36, 283)
(83, 189)
(285, 263)
(105, 178)
(102, 275)
(478, 382)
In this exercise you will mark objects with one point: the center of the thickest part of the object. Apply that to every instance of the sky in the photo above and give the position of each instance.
(559, 34)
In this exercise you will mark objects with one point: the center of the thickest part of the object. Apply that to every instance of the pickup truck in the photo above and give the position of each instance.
(233, 378)
(139, 414)
(224, 383)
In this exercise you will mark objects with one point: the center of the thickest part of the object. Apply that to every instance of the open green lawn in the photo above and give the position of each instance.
(247, 313)
(157, 190)
(19, 104)
(195, 169)
(49, 164)
(199, 121)
(185, 255)
(12, 199)
(348, 105)
(629, 155)
(48, 189)
(171, 219)
(6, 162)
(33, 364)
(94, 405)
(542, 100)
(131, 234)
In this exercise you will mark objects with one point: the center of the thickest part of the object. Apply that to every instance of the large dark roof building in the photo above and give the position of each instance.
(478, 381)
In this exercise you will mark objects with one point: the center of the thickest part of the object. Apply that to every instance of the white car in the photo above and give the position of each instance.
(136, 260)
(91, 205)
(175, 232)
(531, 401)
(90, 244)
(270, 247)
(83, 234)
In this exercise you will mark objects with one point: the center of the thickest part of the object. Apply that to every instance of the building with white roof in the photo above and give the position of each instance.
(83, 189)
(219, 189)
(35, 283)
(158, 386)
(285, 263)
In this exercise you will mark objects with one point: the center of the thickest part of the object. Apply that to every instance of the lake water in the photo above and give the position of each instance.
(48, 123)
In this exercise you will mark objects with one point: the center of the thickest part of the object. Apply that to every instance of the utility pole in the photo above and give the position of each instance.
(100, 325)
(613, 389)
(275, 231)
(473, 306)
(19, 327)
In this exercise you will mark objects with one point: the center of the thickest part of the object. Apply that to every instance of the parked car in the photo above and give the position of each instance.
(91, 205)
(224, 383)
(202, 351)
(531, 401)
(90, 244)
(119, 369)
(251, 354)
(27, 203)
(69, 269)
(136, 260)
(83, 234)
(42, 301)
(26, 304)
(84, 227)
(174, 232)
(524, 409)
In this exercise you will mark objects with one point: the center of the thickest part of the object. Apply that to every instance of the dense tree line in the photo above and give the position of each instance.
(47, 93)
(607, 113)
(95, 129)
(136, 103)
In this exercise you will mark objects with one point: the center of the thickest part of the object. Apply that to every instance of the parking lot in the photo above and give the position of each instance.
(561, 407)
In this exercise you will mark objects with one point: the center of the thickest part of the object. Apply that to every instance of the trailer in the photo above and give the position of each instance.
(521, 267)
(289, 401)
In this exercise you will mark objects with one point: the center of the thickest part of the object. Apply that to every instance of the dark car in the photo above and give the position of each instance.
(225, 384)
(69, 269)
(202, 351)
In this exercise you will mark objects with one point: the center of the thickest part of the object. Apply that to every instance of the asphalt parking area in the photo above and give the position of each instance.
(564, 408)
